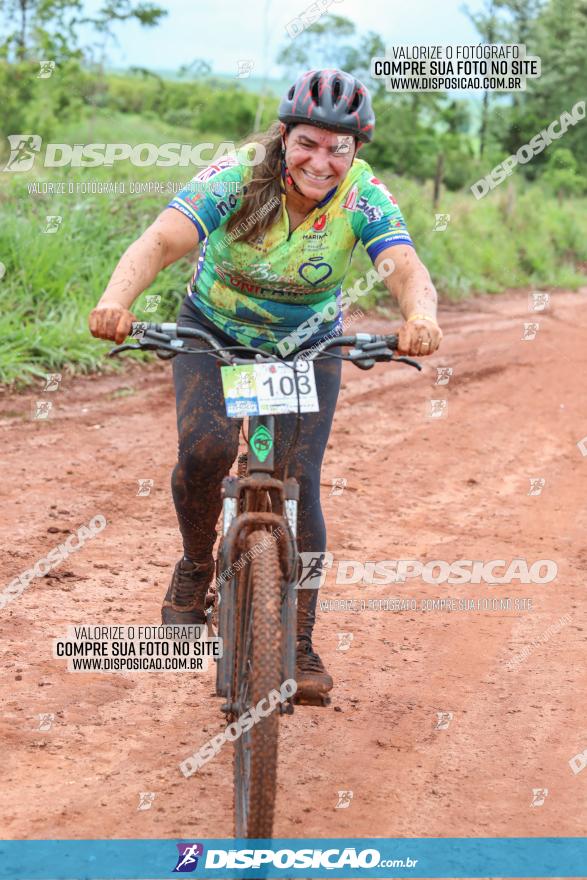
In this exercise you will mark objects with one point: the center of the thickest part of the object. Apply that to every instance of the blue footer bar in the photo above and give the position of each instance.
(451, 857)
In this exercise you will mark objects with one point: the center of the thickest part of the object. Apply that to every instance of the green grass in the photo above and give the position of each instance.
(513, 237)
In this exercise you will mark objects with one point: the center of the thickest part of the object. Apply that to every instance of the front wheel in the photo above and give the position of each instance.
(258, 671)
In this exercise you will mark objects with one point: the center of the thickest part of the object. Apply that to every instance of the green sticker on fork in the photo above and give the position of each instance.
(261, 442)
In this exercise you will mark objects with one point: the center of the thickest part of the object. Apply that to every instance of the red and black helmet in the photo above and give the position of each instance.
(330, 99)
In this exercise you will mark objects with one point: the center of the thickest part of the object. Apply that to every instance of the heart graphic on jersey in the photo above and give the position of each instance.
(314, 273)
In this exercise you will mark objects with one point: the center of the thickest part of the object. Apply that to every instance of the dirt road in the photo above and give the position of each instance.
(420, 488)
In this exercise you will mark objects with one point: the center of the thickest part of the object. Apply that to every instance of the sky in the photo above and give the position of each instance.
(226, 31)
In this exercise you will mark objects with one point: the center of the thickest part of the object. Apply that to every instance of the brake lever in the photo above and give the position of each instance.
(165, 351)
(406, 360)
(382, 352)
(370, 362)
(125, 347)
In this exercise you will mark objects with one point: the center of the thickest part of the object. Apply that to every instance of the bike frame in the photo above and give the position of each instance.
(246, 499)
(251, 624)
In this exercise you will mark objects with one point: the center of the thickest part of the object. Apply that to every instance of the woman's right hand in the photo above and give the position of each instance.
(111, 321)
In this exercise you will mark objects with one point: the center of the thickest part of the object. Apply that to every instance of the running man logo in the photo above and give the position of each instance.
(146, 798)
(138, 329)
(46, 69)
(438, 409)
(538, 301)
(314, 568)
(42, 409)
(344, 641)
(537, 484)
(53, 224)
(441, 222)
(23, 151)
(443, 719)
(538, 796)
(52, 381)
(46, 720)
(443, 375)
(145, 487)
(344, 145)
(530, 330)
(152, 302)
(338, 485)
(344, 800)
(244, 67)
(187, 861)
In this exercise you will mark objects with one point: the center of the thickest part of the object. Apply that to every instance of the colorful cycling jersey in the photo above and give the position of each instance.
(259, 292)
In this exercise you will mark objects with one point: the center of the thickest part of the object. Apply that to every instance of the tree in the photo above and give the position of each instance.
(558, 35)
(562, 175)
(357, 60)
(523, 13)
(50, 26)
(490, 28)
(323, 40)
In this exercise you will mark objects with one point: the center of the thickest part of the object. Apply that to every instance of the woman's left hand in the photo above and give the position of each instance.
(419, 337)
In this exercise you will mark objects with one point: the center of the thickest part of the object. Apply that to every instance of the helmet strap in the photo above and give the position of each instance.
(285, 173)
(286, 176)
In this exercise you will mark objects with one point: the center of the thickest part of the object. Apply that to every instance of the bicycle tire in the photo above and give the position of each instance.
(258, 670)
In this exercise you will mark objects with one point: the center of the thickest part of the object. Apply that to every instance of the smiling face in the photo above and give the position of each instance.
(317, 159)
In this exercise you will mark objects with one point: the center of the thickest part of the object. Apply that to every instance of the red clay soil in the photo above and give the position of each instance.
(417, 488)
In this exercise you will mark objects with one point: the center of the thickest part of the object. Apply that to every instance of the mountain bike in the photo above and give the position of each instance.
(254, 600)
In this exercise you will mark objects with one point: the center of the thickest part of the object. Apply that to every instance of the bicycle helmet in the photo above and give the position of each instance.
(330, 99)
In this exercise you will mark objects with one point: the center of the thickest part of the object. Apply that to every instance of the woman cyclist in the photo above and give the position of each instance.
(273, 256)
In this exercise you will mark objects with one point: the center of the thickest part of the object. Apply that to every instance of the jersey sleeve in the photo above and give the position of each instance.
(377, 220)
(212, 196)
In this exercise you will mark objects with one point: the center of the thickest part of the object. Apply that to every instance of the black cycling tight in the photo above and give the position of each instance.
(208, 446)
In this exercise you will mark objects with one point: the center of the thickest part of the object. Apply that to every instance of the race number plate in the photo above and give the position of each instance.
(266, 389)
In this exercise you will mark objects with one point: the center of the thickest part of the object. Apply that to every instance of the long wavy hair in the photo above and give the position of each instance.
(261, 203)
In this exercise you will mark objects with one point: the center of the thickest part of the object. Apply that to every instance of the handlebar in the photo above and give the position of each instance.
(167, 340)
